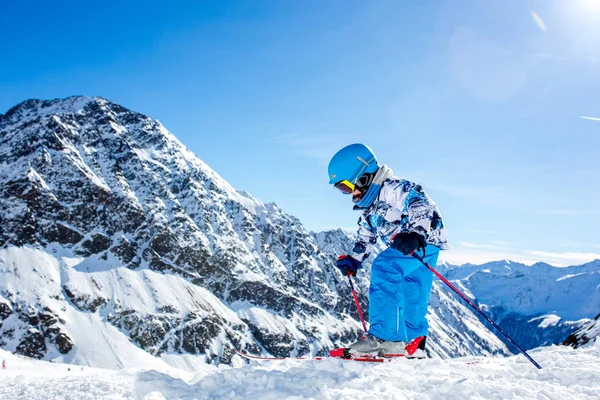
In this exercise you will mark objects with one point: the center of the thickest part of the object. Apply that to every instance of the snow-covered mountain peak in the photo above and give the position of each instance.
(93, 133)
(37, 108)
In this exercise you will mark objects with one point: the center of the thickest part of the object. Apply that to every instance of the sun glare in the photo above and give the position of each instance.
(589, 5)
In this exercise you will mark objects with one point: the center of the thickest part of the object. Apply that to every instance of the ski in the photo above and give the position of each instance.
(339, 354)
(252, 357)
(347, 356)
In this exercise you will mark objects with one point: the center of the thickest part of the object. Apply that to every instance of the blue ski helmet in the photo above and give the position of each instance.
(351, 162)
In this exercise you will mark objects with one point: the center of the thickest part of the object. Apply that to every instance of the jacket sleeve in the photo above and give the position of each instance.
(416, 207)
(367, 238)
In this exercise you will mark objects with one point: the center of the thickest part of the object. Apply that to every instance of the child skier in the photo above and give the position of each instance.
(406, 218)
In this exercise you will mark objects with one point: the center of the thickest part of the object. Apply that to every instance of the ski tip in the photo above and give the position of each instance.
(340, 352)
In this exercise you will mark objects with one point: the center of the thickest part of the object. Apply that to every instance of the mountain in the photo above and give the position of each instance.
(113, 233)
(537, 305)
(586, 335)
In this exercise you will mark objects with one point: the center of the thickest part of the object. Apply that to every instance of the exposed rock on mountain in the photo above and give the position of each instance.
(584, 336)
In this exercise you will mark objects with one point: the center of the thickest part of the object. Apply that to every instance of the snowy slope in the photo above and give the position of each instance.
(566, 374)
(95, 336)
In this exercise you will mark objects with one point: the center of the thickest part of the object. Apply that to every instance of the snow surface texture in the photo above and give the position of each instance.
(567, 374)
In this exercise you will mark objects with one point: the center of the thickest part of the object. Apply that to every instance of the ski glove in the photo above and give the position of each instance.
(406, 243)
(348, 265)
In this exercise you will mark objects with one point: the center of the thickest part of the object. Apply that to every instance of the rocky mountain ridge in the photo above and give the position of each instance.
(587, 335)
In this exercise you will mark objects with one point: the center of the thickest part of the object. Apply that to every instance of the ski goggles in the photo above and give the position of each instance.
(345, 186)
(348, 187)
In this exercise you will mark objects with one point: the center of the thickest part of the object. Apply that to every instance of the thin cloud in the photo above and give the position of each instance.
(474, 256)
(570, 243)
(311, 146)
(479, 246)
(488, 195)
(563, 259)
(580, 245)
(458, 256)
(566, 212)
(590, 118)
(593, 59)
(483, 231)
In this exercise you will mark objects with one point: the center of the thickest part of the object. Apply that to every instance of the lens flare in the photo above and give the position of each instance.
(538, 20)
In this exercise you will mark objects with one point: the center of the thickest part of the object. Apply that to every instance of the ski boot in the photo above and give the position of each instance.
(416, 348)
(369, 344)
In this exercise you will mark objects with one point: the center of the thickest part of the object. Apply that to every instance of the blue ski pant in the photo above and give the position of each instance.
(399, 294)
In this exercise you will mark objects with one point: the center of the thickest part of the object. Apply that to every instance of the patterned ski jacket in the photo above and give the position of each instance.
(401, 206)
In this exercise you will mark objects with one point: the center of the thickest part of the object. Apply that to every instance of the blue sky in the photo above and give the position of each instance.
(479, 101)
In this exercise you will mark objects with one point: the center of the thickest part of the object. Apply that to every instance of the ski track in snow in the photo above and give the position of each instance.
(566, 374)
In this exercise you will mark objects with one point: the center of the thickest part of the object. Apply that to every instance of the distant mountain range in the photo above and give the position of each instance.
(118, 243)
(537, 305)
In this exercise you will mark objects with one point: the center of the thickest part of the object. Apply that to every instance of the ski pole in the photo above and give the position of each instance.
(357, 305)
(484, 315)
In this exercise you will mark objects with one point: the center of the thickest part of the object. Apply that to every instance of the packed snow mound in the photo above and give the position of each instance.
(567, 374)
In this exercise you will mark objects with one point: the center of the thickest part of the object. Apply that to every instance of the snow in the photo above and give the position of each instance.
(37, 277)
(567, 374)
(272, 323)
(108, 347)
(594, 331)
(569, 276)
(547, 320)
